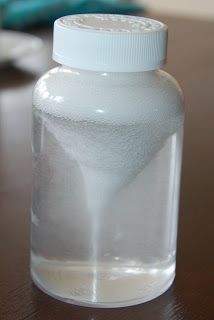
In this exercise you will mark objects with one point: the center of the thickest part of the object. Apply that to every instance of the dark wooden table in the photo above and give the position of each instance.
(191, 60)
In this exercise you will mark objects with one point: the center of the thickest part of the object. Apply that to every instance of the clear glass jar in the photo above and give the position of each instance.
(106, 170)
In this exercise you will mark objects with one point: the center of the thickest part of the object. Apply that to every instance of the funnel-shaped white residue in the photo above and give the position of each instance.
(109, 156)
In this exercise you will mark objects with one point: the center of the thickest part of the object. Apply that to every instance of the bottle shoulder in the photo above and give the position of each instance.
(120, 97)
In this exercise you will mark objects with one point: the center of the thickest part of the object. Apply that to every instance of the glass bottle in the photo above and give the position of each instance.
(107, 145)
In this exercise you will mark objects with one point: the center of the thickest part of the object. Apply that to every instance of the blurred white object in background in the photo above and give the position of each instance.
(17, 45)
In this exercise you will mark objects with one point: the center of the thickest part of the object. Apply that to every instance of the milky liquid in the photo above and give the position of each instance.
(106, 285)
(104, 212)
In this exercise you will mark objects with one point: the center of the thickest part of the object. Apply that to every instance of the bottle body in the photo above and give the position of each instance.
(106, 171)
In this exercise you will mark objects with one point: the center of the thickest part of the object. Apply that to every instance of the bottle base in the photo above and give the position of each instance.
(119, 304)
(118, 288)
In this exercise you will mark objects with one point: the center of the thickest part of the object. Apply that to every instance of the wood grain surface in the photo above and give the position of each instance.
(191, 61)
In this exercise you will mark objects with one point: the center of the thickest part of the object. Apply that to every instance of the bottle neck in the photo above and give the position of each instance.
(88, 75)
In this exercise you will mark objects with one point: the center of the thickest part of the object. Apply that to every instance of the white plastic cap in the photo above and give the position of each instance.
(107, 42)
